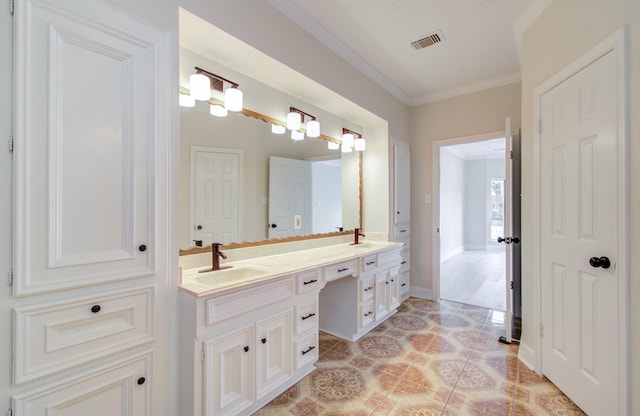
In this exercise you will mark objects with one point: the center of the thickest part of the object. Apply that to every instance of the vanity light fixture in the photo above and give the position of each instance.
(278, 129)
(187, 100)
(218, 110)
(296, 117)
(333, 145)
(352, 140)
(202, 79)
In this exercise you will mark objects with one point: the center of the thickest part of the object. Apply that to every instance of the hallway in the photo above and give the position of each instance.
(475, 277)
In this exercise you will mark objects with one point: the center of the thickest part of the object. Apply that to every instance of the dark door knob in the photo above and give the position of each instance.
(141, 381)
(246, 348)
(603, 262)
(142, 247)
(515, 240)
(264, 340)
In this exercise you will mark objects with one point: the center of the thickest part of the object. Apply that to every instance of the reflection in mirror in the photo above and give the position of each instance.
(230, 167)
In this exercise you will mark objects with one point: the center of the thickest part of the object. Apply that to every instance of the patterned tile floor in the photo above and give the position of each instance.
(428, 359)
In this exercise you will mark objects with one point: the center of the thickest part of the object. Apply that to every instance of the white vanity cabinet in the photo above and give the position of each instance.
(246, 345)
(402, 212)
(350, 307)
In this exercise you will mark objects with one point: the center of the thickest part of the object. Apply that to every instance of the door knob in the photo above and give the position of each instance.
(501, 240)
(198, 227)
(603, 262)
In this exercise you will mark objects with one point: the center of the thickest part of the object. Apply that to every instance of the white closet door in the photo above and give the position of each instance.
(84, 153)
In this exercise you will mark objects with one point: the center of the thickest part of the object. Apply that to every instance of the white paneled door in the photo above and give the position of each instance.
(289, 197)
(580, 235)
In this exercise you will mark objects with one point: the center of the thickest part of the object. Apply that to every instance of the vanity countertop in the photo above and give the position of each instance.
(261, 269)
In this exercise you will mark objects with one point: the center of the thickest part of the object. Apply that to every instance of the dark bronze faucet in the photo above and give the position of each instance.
(215, 259)
(356, 236)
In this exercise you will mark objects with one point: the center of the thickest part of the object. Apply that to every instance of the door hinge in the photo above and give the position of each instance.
(511, 154)
(539, 126)
(202, 355)
(11, 6)
(10, 276)
(10, 145)
(541, 329)
(512, 285)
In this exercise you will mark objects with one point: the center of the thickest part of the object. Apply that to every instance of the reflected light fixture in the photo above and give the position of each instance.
(297, 135)
(218, 110)
(187, 100)
(333, 145)
(233, 97)
(294, 120)
(359, 144)
(278, 129)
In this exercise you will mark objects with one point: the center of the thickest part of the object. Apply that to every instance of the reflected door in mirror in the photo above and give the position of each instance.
(289, 197)
(215, 195)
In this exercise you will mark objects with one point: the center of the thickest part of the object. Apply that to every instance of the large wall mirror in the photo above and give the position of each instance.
(263, 187)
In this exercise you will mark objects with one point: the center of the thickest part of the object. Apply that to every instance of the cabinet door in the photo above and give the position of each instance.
(402, 184)
(228, 378)
(122, 389)
(275, 361)
(382, 294)
(86, 125)
(394, 289)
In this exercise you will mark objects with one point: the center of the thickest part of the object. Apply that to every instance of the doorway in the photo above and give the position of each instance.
(471, 201)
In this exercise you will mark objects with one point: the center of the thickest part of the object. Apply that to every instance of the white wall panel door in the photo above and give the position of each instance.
(85, 130)
(579, 228)
(289, 197)
(216, 195)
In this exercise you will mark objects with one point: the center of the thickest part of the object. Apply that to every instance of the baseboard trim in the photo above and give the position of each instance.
(527, 355)
(418, 292)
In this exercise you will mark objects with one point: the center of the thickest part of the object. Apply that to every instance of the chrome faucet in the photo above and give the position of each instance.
(215, 259)
(356, 236)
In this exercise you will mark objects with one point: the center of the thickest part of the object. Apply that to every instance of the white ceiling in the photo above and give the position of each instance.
(480, 49)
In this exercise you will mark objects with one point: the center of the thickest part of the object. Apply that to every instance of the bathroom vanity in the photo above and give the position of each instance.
(251, 331)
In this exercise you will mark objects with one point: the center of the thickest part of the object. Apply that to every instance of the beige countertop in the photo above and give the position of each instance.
(261, 269)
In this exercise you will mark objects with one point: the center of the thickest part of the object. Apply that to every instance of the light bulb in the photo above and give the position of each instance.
(347, 140)
(313, 128)
(278, 129)
(218, 110)
(359, 144)
(233, 99)
(200, 87)
(297, 135)
(294, 120)
(187, 100)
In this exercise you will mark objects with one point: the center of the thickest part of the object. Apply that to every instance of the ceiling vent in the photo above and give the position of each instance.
(427, 40)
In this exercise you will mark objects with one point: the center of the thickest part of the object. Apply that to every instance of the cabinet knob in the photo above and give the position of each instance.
(141, 381)
(263, 340)
(246, 348)
(95, 308)
(142, 247)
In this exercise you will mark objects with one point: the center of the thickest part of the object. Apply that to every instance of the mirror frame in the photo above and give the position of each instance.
(270, 120)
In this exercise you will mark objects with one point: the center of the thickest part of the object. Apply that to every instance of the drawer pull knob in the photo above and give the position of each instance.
(141, 381)
(403, 285)
(95, 308)
(142, 247)
(311, 348)
(403, 231)
(386, 282)
(246, 348)
(368, 313)
(366, 289)
(263, 340)
(392, 280)
(308, 316)
(309, 282)
(369, 263)
(344, 269)
(403, 262)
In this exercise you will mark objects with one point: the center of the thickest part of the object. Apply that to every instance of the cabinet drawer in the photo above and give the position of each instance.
(308, 281)
(223, 307)
(51, 338)
(369, 262)
(406, 259)
(306, 316)
(306, 350)
(405, 283)
(390, 258)
(401, 231)
(366, 288)
(339, 270)
(366, 314)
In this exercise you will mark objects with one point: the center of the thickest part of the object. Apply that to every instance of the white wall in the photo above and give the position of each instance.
(475, 212)
(566, 30)
(452, 203)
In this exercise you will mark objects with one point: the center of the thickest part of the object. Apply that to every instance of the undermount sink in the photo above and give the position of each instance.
(235, 273)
